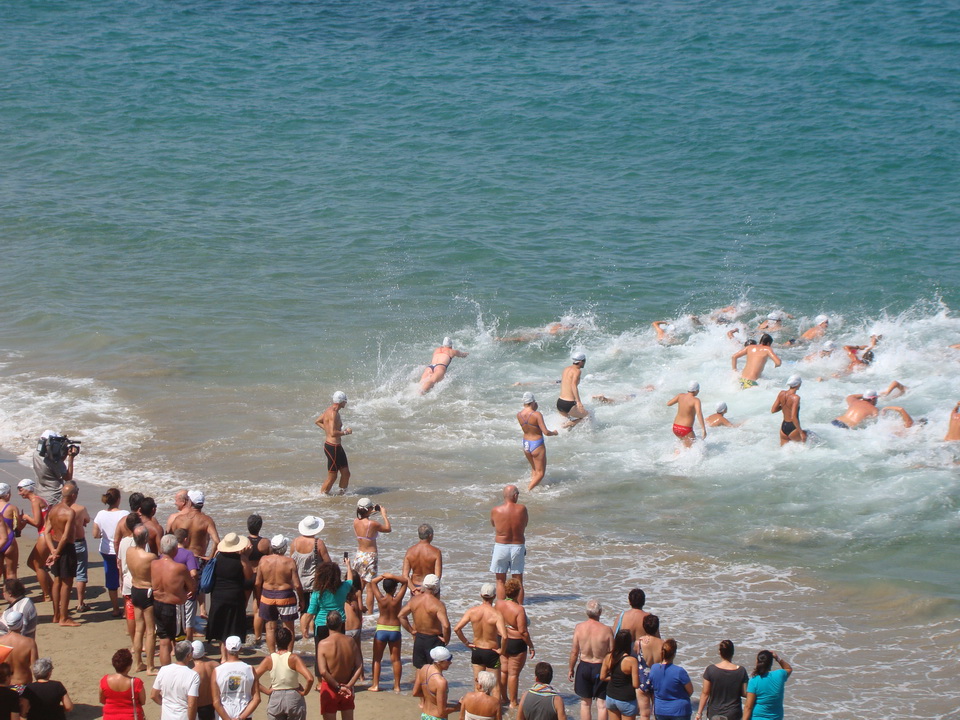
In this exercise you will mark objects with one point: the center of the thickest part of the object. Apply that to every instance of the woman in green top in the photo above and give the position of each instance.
(329, 593)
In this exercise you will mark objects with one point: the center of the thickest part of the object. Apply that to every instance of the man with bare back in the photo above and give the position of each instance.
(688, 410)
(340, 664)
(200, 527)
(172, 585)
(430, 626)
(592, 642)
(333, 428)
(569, 403)
(279, 593)
(757, 356)
(489, 633)
(140, 563)
(59, 529)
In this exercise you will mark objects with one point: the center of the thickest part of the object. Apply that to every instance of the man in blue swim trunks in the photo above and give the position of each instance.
(534, 428)
(859, 408)
(509, 522)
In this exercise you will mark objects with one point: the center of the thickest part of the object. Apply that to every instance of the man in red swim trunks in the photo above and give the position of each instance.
(340, 663)
(688, 408)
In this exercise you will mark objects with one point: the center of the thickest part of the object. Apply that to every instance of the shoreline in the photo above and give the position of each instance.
(81, 655)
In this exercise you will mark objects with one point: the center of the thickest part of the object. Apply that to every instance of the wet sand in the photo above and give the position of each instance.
(81, 656)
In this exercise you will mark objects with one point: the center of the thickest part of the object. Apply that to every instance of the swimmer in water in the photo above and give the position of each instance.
(858, 361)
(569, 404)
(820, 325)
(550, 330)
(895, 387)
(828, 347)
(534, 428)
(442, 357)
(774, 322)
(603, 399)
(904, 415)
(719, 418)
(757, 356)
(788, 402)
(688, 410)
(953, 428)
(859, 408)
(664, 331)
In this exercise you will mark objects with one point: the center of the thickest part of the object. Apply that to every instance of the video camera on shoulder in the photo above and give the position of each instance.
(57, 448)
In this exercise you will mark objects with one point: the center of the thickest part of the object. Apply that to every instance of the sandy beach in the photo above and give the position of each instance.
(81, 656)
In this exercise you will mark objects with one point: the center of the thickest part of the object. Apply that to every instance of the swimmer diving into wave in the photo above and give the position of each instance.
(435, 371)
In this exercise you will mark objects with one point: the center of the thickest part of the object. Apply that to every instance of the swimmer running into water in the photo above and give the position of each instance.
(569, 404)
(534, 428)
(719, 418)
(550, 330)
(788, 401)
(859, 408)
(688, 410)
(442, 357)
(757, 356)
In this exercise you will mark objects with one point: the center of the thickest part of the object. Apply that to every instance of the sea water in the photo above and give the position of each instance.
(213, 215)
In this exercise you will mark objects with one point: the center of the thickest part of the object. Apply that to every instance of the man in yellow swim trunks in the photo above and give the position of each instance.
(757, 356)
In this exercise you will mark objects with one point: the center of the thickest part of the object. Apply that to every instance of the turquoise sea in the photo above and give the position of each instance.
(214, 214)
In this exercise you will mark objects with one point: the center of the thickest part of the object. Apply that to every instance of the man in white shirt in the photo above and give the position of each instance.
(177, 687)
(233, 694)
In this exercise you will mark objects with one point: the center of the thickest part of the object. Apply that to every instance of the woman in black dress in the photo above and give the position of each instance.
(228, 601)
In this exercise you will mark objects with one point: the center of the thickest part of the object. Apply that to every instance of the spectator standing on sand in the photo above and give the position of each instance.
(49, 699)
(509, 521)
(234, 684)
(723, 686)
(177, 687)
(122, 696)
(105, 527)
(542, 701)
(423, 558)
(285, 692)
(16, 595)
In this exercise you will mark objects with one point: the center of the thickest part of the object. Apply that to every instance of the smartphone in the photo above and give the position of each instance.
(346, 555)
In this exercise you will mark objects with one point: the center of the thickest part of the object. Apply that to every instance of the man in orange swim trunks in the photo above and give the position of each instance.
(688, 409)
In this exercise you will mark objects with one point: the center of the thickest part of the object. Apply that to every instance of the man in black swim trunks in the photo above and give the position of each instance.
(139, 562)
(172, 585)
(569, 404)
(336, 458)
(592, 642)
(788, 401)
(489, 633)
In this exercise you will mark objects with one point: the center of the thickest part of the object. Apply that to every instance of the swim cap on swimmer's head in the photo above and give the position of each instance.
(794, 381)
(528, 398)
(27, 483)
(339, 396)
(829, 346)
(821, 319)
(774, 316)
(578, 357)
(721, 407)
(440, 654)
(669, 328)
(447, 342)
(693, 387)
(870, 395)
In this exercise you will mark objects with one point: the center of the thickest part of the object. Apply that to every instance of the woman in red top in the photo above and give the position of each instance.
(121, 695)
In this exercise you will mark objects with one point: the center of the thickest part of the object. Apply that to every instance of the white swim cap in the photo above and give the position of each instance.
(670, 328)
(794, 381)
(773, 316)
(829, 346)
(339, 396)
(821, 319)
(447, 342)
(528, 398)
(693, 387)
(13, 619)
(721, 407)
(27, 483)
(431, 582)
(198, 649)
(870, 395)
(440, 653)
(4, 489)
(578, 357)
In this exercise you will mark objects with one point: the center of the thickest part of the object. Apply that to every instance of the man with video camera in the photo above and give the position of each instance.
(53, 464)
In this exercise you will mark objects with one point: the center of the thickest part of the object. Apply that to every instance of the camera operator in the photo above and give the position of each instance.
(52, 470)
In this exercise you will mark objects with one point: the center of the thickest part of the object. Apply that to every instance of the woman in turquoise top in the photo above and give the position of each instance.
(329, 593)
(765, 689)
